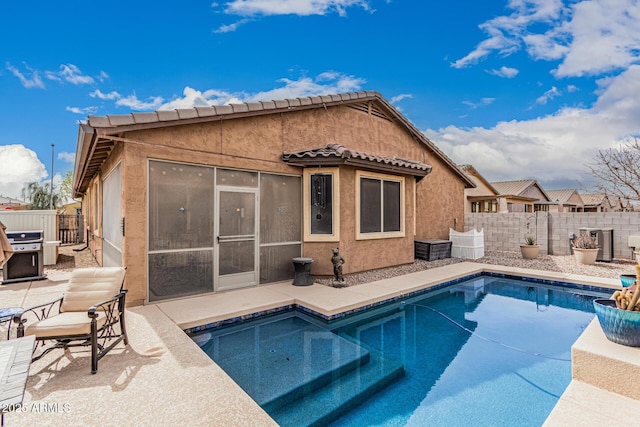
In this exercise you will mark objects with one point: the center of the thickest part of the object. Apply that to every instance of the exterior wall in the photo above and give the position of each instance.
(362, 255)
(480, 190)
(506, 232)
(576, 200)
(534, 192)
(256, 143)
(439, 203)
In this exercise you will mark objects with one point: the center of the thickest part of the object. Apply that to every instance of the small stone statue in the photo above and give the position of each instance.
(337, 262)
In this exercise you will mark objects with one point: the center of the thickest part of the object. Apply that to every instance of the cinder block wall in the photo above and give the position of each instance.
(507, 231)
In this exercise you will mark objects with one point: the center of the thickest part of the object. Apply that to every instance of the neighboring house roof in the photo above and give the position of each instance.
(517, 188)
(11, 201)
(97, 137)
(615, 202)
(336, 154)
(560, 195)
(563, 196)
(594, 199)
(473, 172)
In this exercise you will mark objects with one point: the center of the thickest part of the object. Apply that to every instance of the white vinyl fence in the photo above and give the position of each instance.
(35, 220)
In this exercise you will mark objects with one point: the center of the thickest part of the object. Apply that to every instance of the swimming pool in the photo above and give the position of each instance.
(487, 351)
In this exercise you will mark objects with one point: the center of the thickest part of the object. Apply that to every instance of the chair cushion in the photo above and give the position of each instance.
(64, 324)
(90, 286)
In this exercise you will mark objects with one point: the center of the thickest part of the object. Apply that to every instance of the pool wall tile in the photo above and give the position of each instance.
(331, 317)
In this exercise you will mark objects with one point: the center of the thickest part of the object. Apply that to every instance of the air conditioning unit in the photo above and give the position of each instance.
(604, 239)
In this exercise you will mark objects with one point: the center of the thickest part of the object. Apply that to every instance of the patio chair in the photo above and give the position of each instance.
(88, 313)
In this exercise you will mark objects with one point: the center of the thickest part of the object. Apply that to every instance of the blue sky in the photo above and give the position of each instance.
(520, 89)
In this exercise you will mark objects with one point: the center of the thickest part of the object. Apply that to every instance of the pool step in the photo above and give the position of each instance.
(328, 403)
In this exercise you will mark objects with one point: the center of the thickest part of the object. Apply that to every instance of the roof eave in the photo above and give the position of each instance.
(320, 161)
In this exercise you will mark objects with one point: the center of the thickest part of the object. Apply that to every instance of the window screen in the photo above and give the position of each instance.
(380, 205)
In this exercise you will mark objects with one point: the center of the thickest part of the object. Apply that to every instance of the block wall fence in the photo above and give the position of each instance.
(507, 231)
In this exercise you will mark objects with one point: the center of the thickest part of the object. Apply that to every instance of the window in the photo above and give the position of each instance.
(380, 205)
(321, 205)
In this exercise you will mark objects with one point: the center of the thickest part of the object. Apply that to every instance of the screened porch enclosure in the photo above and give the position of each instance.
(212, 229)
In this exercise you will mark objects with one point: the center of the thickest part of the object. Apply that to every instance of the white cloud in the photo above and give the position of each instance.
(400, 97)
(552, 148)
(103, 76)
(67, 157)
(132, 101)
(604, 36)
(483, 102)
(231, 27)
(588, 37)
(324, 83)
(71, 74)
(505, 72)
(32, 81)
(20, 166)
(83, 111)
(255, 8)
(106, 96)
(291, 7)
(550, 94)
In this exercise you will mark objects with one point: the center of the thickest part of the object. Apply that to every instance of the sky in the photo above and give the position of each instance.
(519, 89)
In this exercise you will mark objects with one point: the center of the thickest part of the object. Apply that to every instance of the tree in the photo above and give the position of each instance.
(39, 196)
(66, 187)
(618, 170)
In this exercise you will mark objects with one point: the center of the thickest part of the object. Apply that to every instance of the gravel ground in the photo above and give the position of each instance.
(565, 264)
(72, 256)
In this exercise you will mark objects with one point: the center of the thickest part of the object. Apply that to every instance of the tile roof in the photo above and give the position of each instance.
(96, 137)
(220, 111)
(339, 154)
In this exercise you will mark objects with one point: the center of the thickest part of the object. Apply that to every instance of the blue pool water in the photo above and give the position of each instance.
(485, 352)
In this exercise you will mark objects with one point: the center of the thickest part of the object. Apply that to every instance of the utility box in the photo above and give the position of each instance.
(604, 239)
(432, 250)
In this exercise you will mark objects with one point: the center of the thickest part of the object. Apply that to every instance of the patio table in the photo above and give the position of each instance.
(15, 360)
(6, 315)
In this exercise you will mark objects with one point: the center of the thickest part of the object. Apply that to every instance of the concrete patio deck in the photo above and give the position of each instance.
(163, 378)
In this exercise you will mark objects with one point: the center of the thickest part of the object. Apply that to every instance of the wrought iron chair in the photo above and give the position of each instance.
(88, 314)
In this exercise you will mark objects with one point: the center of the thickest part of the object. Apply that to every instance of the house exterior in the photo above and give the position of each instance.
(565, 201)
(597, 202)
(503, 196)
(9, 203)
(521, 196)
(483, 198)
(208, 199)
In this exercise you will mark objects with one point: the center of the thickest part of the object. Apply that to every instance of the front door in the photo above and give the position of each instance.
(236, 237)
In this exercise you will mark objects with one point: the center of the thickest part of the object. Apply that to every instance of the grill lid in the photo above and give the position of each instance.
(25, 236)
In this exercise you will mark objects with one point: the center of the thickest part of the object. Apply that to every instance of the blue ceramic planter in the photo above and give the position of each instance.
(627, 280)
(619, 326)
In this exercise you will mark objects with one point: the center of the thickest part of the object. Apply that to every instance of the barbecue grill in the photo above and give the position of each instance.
(27, 261)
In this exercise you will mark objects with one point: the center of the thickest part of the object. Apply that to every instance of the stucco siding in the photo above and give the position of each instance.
(256, 143)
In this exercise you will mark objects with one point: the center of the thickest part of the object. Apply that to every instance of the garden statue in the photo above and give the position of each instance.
(337, 262)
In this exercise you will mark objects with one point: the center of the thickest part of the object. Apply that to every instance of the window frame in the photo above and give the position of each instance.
(306, 205)
(360, 174)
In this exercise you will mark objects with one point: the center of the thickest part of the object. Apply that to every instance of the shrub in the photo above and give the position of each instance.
(585, 241)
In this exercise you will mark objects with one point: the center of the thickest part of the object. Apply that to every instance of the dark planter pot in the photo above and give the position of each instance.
(619, 326)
